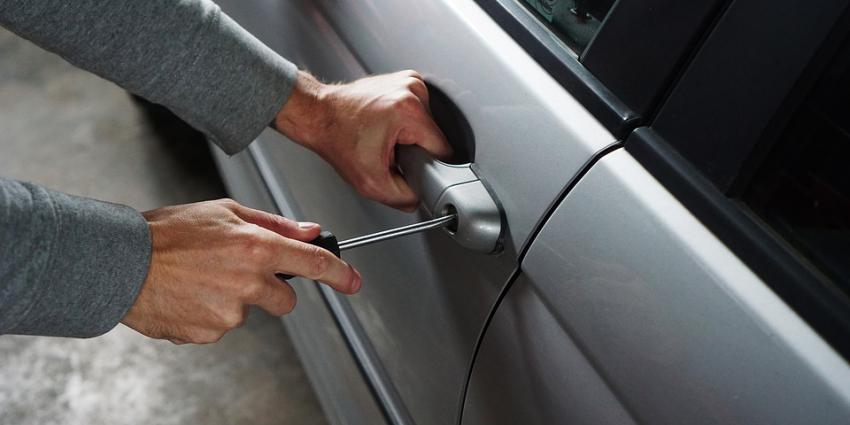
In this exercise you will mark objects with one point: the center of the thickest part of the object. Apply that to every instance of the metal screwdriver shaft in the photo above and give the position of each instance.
(397, 232)
(328, 241)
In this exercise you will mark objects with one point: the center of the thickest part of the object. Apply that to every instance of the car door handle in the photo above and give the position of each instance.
(451, 188)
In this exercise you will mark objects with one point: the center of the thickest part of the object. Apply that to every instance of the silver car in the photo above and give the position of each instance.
(653, 202)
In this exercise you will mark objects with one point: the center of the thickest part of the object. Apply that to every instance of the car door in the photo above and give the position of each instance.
(412, 329)
(698, 275)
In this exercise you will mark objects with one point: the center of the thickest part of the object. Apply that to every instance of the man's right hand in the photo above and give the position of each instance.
(211, 260)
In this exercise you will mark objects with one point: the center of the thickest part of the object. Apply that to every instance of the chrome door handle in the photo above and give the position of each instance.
(449, 188)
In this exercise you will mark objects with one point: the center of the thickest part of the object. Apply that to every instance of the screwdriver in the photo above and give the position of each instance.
(328, 241)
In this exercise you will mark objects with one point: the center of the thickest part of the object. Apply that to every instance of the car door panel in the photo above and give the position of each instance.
(679, 329)
(345, 396)
(522, 118)
(317, 184)
(529, 370)
(425, 298)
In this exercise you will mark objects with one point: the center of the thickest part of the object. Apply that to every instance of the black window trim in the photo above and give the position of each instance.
(725, 101)
(643, 44)
(561, 64)
(591, 88)
(801, 285)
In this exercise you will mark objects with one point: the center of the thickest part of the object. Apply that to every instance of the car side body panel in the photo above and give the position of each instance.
(675, 325)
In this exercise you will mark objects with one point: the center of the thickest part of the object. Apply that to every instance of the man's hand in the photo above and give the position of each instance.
(211, 260)
(356, 126)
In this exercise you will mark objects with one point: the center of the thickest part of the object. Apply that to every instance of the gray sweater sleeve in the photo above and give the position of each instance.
(184, 54)
(71, 266)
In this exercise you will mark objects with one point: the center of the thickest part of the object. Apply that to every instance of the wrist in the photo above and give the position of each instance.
(304, 117)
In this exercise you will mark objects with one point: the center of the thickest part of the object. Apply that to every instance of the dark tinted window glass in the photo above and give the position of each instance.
(803, 187)
(575, 21)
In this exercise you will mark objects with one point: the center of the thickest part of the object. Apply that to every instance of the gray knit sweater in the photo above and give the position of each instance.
(71, 266)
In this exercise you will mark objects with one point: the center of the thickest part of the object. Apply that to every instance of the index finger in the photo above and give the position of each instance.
(304, 231)
(312, 262)
(423, 131)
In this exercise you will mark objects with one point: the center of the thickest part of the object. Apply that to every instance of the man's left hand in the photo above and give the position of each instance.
(356, 126)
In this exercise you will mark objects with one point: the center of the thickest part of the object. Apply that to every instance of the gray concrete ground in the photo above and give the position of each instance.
(71, 131)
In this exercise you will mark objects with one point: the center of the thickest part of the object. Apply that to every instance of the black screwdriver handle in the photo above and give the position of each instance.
(326, 240)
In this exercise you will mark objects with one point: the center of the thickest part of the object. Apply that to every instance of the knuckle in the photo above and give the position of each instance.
(288, 304)
(212, 338)
(404, 102)
(233, 320)
(228, 203)
(196, 336)
(376, 185)
(251, 291)
(282, 221)
(416, 84)
(227, 216)
(208, 337)
(408, 102)
(253, 244)
(368, 186)
(411, 73)
(319, 262)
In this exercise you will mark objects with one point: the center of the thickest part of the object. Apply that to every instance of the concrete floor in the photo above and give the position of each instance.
(71, 131)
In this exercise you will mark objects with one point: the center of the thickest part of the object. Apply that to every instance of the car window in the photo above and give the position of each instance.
(802, 189)
(574, 21)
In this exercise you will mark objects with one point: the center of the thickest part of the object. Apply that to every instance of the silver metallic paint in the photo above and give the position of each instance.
(623, 280)
(479, 220)
(425, 298)
(630, 310)
(449, 188)
(531, 136)
(429, 177)
(530, 371)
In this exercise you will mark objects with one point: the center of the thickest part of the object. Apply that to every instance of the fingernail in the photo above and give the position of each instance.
(306, 225)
